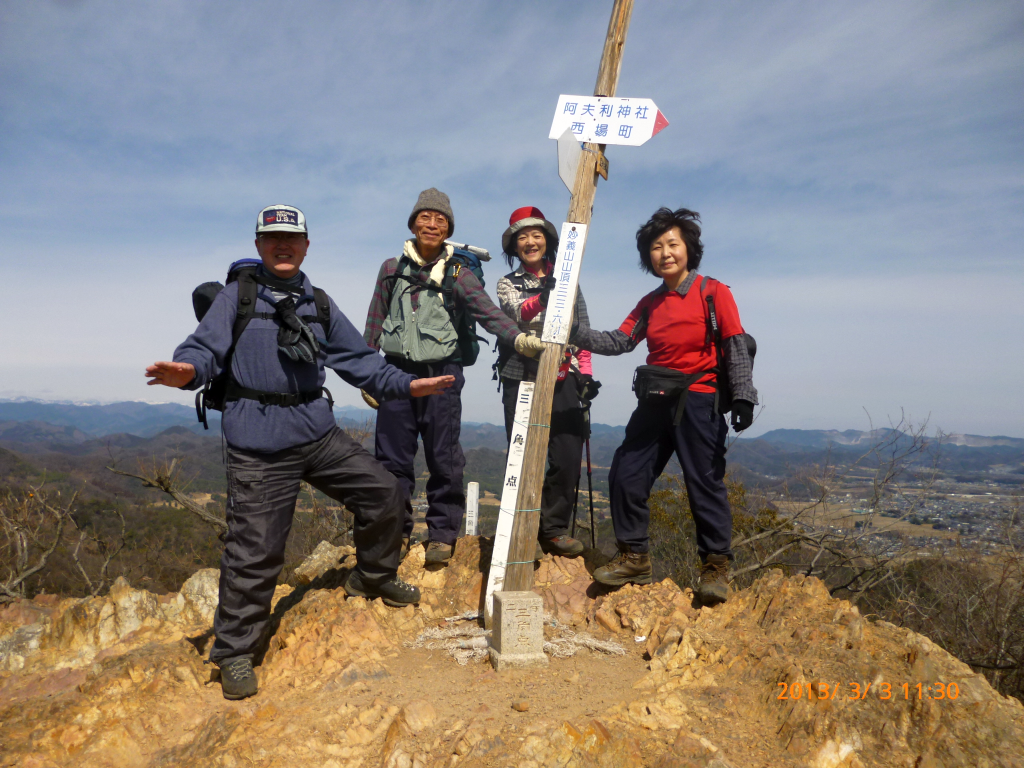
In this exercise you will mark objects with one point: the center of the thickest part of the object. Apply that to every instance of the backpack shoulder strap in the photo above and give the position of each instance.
(246, 304)
(451, 274)
(714, 330)
(323, 309)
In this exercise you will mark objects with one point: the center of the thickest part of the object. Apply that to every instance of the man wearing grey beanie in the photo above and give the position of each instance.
(410, 321)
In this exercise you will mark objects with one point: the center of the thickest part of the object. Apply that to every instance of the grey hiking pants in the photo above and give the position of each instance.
(262, 489)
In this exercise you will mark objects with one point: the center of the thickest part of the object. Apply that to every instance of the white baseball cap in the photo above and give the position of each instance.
(280, 218)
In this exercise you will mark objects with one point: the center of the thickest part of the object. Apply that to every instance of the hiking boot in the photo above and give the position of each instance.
(625, 568)
(564, 546)
(714, 580)
(237, 678)
(437, 553)
(393, 592)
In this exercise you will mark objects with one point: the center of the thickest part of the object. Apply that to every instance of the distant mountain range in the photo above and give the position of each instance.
(133, 418)
(37, 429)
(822, 438)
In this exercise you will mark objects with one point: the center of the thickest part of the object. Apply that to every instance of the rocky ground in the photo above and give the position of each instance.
(120, 681)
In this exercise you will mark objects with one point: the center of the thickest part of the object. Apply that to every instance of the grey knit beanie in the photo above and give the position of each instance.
(434, 200)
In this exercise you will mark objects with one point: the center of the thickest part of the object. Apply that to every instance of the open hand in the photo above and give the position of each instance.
(170, 374)
(424, 387)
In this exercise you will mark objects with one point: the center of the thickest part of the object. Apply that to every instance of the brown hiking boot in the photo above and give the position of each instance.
(714, 580)
(437, 553)
(625, 568)
(563, 546)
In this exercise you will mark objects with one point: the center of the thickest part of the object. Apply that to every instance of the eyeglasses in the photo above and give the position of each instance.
(289, 237)
(432, 218)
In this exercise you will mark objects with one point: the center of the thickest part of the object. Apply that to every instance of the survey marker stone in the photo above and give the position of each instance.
(517, 639)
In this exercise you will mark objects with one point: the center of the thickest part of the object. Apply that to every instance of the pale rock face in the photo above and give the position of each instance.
(119, 681)
(324, 558)
(199, 595)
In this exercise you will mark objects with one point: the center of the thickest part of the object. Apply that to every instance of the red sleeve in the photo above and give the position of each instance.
(586, 365)
(530, 308)
(727, 312)
(631, 320)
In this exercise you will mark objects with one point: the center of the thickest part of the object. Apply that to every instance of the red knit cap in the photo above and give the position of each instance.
(528, 216)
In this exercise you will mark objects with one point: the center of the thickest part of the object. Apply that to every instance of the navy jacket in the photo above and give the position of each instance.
(258, 364)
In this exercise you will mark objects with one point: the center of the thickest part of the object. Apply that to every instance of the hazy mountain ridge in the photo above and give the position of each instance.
(78, 443)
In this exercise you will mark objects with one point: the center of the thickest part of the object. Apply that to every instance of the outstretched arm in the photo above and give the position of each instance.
(618, 342)
(203, 354)
(471, 294)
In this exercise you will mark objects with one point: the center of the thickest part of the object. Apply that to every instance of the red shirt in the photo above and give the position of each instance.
(677, 328)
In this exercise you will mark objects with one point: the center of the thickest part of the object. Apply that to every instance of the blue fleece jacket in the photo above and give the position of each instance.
(258, 364)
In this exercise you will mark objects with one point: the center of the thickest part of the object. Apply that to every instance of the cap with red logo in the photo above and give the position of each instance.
(280, 218)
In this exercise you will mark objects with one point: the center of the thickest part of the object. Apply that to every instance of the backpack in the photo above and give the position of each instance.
(723, 387)
(215, 394)
(465, 325)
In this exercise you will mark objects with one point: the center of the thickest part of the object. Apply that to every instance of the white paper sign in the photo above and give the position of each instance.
(562, 300)
(607, 119)
(509, 498)
(472, 508)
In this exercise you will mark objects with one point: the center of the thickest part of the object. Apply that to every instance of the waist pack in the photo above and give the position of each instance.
(657, 384)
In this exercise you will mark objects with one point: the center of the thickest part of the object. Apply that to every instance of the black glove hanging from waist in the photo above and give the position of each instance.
(294, 337)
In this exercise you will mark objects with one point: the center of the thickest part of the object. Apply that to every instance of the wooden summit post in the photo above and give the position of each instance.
(519, 573)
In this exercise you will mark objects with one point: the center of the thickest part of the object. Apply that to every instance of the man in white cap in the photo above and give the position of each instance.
(280, 431)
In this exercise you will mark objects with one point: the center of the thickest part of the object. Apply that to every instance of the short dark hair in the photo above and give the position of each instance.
(550, 249)
(661, 222)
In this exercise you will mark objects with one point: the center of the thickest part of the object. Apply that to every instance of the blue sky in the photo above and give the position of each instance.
(859, 168)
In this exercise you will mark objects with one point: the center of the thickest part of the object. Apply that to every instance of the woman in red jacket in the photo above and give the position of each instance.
(682, 395)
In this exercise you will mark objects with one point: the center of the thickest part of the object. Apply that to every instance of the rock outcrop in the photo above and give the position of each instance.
(780, 675)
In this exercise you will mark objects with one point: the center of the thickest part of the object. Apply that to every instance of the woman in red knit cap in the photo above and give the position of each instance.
(522, 295)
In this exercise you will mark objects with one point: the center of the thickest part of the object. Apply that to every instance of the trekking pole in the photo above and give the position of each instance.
(590, 492)
(575, 506)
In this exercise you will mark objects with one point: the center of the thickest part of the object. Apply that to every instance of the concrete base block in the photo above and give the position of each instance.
(502, 661)
(517, 637)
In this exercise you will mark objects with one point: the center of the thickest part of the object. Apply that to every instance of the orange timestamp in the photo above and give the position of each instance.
(857, 692)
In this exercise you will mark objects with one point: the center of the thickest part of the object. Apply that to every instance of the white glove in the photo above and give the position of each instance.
(528, 345)
(369, 400)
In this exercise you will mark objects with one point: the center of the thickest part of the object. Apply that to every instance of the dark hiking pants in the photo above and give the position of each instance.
(438, 420)
(699, 444)
(262, 488)
(565, 449)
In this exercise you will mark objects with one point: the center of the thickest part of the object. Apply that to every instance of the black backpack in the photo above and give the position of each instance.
(215, 394)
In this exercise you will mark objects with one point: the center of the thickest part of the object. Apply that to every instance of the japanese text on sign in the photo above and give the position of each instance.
(509, 495)
(607, 119)
(562, 300)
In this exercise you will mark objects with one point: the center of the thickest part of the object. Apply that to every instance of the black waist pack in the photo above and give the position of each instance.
(655, 383)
